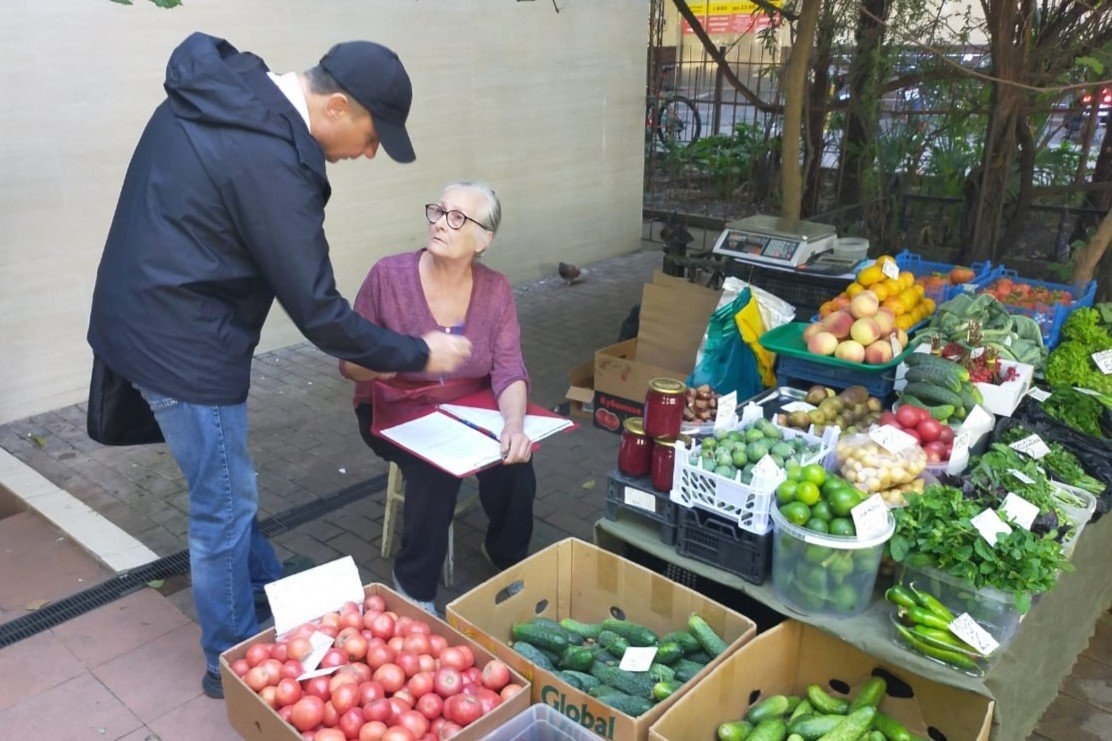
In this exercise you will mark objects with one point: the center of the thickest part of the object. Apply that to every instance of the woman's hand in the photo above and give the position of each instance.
(516, 445)
(360, 374)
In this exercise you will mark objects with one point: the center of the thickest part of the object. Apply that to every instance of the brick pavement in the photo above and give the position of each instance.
(305, 443)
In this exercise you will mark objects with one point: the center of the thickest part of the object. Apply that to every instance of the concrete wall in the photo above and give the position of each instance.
(548, 106)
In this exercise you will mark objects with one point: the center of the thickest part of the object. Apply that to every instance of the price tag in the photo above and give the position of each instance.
(766, 467)
(637, 658)
(320, 642)
(1103, 359)
(976, 352)
(870, 517)
(894, 341)
(725, 417)
(1031, 445)
(1020, 511)
(1008, 341)
(978, 419)
(1038, 394)
(1021, 476)
(970, 631)
(892, 439)
(639, 499)
(798, 406)
(890, 270)
(990, 526)
(963, 439)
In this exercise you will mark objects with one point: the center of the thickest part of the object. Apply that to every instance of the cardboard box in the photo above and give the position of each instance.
(581, 390)
(674, 316)
(1002, 399)
(784, 660)
(254, 719)
(575, 579)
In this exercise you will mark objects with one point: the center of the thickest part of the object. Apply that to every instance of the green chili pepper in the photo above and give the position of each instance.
(953, 658)
(923, 616)
(901, 596)
(929, 601)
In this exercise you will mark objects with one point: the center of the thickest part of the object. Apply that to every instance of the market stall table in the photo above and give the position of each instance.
(1023, 679)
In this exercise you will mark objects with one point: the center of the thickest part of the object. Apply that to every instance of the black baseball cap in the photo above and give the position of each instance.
(375, 77)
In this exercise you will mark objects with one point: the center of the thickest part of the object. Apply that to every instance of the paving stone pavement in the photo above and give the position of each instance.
(306, 446)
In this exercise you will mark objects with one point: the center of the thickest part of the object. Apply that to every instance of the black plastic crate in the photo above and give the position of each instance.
(706, 537)
(806, 292)
(637, 496)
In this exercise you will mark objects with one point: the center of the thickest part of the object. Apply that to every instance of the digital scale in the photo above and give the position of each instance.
(776, 241)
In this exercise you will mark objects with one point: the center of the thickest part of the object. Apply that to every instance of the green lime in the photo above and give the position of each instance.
(796, 513)
(816, 553)
(842, 526)
(807, 493)
(845, 598)
(794, 471)
(785, 492)
(842, 565)
(739, 458)
(833, 484)
(817, 524)
(842, 501)
(814, 473)
(821, 510)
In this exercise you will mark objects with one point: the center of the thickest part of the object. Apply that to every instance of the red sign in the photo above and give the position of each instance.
(732, 23)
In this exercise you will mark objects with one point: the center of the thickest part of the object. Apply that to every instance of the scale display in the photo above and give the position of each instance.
(775, 249)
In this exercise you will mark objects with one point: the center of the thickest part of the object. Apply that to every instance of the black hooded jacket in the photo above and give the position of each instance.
(221, 211)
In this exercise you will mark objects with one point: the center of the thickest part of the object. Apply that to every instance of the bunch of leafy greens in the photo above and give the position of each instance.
(936, 524)
(1071, 363)
(1082, 412)
(1060, 461)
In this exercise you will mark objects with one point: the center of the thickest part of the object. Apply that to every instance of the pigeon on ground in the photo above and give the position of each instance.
(570, 273)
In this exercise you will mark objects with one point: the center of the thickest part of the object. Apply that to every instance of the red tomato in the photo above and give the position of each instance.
(415, 722)
(257, 653)
(468, 654)
(427, 663)
(374, 602)
(279, 652)
(308, 712)
(351, 606)
(450, 729)
(398, 733)
(331, 620)
(331, 717)
(399, 706)
(936, 451)
(358, 669)
(404, 696)
(351, 619)
(379, 655)
(269, 694)
(383, 626)
(299, 648)
(888, 418)
(489, 699)
(391, 677)
(329, 734)
(240, 667)
(946, 435)
(319, 687)
(351, 722)
(913, 432)
(355, 647)
(418, 643)
(397, 643)
(437, 644)
(372, 731)
(380, 710)
(495, 675)
(420, 683)
(408, 661)
(453, 658)
(293, 669)
(463, 709)
(288, 691)
(509, 691)
(447, 682)
(333, 657)
(370, 690)
(345, 697)
(430, 705)
(473, 675)
(284, 712)
(419, 627)
(930, 429)
(907, 416)
(402, 624)
(258, 677)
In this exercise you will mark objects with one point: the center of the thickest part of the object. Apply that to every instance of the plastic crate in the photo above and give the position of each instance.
(717, 541)
(746, 504)
(637, 496)
(1053, 317)
(917, 266)
(1079, 516)
(805, 291)
(541, 723)
(879, 383)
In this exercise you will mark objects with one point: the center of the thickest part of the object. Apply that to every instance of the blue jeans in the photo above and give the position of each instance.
(229, 559)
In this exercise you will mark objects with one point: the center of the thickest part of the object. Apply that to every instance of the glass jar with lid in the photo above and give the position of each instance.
(635, 451)
(664, 403)
(663, 463)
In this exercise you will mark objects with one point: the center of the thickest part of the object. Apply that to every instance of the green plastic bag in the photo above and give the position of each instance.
(727, 363)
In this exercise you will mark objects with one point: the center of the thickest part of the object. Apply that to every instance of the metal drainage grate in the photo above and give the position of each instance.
(177, 564)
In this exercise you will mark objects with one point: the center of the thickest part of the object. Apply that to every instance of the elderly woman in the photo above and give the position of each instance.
(443, 287)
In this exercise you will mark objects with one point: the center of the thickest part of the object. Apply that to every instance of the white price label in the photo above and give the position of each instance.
(1021, 476)
(1103, 359)
(1008, 341)
(894, 342)
(766, 467)
(1031, 445)
(890, 270)
(990, 526)
(320, 642)
(798, 406)
(970, 631)
(892, 439)
(1038, 394)
(870, 517)
(637, 658)
(639, 499)
(963, 439)
(725, 416)
(1019, 510)
(976, 352)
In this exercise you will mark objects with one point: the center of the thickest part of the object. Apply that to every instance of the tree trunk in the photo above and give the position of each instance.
(816, 115)
(795, 86)
(1088, 257)
(1015, 213)
(858, 140)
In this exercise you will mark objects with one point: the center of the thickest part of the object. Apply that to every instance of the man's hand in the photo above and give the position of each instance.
(446, 351)
(516, 445)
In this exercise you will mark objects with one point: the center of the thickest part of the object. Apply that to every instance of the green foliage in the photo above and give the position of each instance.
(725, 162)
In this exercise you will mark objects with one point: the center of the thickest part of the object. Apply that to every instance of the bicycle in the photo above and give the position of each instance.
(671, 117)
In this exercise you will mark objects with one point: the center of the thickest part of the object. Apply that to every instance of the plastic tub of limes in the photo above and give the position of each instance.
(819, 563)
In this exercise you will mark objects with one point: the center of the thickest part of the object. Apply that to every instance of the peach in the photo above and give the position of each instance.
(822, 343)
(850, 350)
(838, 324)
(887, 321)
(864, 304)
(811, 330)
(866, 331)
(879, 352)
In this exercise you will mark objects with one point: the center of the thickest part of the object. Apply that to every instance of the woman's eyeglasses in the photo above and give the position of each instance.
(456, 219)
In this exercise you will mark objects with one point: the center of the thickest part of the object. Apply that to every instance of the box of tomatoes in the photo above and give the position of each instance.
(347, 661)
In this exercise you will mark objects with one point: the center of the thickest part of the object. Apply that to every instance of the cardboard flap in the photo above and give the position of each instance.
(673, 322)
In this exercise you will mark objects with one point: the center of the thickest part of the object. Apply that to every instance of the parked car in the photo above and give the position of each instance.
(1104, 106)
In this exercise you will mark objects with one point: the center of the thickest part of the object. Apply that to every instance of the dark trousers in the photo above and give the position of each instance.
(505, 493)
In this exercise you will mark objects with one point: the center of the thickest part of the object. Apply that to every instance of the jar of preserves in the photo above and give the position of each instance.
(663, 463)
(635, 451)
(664, 403)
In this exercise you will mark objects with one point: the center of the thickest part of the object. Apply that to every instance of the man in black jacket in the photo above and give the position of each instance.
(221, 212)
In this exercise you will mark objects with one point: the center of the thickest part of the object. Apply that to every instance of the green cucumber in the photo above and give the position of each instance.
(613, 642)
(664, 689)
(933, 394)
(803, 708)
(939, 365)
(534, 654)
(771, 729)
(663, 673)
(578, 658)
(583, 630)
(870, 693)
(772, 706)
(541, 636)
(683, 637)
(892, 729)
(668, 653)
(580, 680)
(686, 669)
(734, 730)
(635, 633)
(711, 642)
(938, 377)
(824, 703)
(852, 726)
(621, 701)
(812, 727)
(572, 638)
(638, 684)
(700, 656)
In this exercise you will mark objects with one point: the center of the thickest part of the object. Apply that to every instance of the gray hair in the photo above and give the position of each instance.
(492, 213)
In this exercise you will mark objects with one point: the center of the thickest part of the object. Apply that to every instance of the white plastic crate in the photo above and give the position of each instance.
(747, 504)
(1078, 516)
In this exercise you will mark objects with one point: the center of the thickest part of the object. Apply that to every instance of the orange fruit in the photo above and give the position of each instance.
(894, 305)
(870, 275)
(906, 279)
(853, 289)
(894, 286)
(880, 290)
(928, 306)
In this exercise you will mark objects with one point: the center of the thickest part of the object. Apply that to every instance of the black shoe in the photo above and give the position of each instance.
(212, 686)
(292, 565)
(296, 564)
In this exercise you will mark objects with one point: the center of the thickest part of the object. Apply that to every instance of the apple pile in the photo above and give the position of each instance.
(863, 332)
(936, 438)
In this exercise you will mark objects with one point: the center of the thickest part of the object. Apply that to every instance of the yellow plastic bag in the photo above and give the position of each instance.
(751, 326)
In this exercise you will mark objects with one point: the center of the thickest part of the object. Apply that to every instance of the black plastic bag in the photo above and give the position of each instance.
(118, 414)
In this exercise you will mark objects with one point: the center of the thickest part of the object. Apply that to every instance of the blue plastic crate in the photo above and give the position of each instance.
(919, 267)
(1051, 320)
(879, 383)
